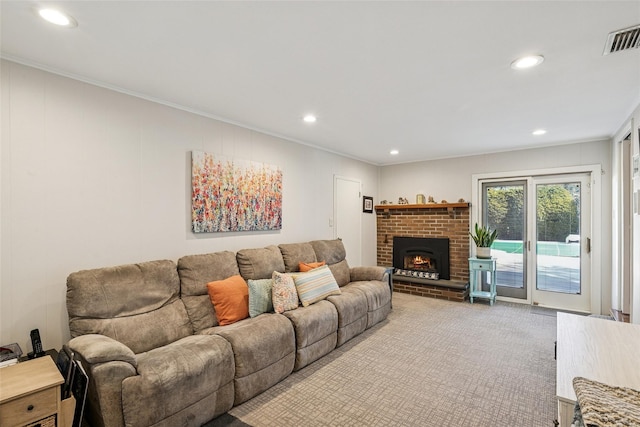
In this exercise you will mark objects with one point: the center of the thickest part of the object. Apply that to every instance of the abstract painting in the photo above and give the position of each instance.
(234, 195)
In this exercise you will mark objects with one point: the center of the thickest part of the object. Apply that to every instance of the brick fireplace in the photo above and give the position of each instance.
(427, 221)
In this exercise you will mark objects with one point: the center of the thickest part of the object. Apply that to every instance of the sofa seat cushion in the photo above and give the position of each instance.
(352, 308)
(316, 331)
(264, 352)
(176, 376)
(378, 299)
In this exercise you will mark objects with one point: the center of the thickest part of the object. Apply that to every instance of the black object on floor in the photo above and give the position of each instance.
(226, 420)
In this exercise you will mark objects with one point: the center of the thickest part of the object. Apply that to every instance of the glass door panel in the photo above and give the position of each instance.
(560, 242)
(505, 210)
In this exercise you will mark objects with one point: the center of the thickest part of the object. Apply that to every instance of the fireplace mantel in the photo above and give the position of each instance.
(448, 206)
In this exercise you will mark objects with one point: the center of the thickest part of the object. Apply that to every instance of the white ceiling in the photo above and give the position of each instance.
(431, 79)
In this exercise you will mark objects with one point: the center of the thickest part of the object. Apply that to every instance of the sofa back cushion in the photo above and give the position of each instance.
(295, 253)
(259, 263)
(135, 304)
(335, 255)
(195, 272)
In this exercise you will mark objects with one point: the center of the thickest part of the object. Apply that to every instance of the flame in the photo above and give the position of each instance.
(419, 260)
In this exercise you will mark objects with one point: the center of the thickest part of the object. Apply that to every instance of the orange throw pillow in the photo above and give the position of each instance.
(306, 266)
(230, 299)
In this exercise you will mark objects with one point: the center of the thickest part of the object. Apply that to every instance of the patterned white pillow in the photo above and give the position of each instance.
(283, 293)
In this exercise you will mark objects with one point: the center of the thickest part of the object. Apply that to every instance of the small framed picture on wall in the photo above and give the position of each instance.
(367, 204)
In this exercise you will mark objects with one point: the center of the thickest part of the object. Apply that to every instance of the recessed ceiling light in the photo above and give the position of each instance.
(539, 132)
(57, 17)
(310, 118)
(394, 152)
(527, 62)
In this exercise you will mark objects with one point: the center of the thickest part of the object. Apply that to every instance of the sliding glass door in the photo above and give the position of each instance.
(543, 245)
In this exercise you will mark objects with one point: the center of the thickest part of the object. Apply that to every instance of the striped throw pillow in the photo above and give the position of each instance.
(315, 285)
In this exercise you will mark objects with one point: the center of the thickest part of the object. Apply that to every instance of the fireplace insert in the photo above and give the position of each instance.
(421, 257)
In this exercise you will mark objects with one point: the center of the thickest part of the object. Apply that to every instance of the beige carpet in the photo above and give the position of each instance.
(431, 363)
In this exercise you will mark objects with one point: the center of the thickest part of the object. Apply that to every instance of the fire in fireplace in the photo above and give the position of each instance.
(421, 257)
(418, 262)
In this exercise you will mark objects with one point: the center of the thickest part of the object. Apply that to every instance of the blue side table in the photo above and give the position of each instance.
(476, 267)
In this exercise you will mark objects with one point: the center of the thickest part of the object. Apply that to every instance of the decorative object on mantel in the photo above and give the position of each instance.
(420, 199)
(483, 238)
(460, 200)
(367, 204)
(234, 195)
(444, 201)
(384, 202)
(431, 200)
(403, 201)
(451, 207)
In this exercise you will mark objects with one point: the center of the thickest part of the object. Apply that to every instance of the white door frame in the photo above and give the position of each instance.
(596, 219)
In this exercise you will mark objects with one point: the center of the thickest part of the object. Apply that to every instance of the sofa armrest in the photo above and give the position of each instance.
(107, 363)
(359, 274)
(96, 348)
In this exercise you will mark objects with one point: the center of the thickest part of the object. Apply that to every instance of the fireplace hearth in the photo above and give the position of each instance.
(424, 258)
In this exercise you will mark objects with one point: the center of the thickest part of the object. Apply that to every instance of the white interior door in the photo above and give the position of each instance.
(348, 217)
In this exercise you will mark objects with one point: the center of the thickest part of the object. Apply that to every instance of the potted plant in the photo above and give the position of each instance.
(483, 238)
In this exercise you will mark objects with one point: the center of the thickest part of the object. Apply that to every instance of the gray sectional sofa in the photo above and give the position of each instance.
(155, 354)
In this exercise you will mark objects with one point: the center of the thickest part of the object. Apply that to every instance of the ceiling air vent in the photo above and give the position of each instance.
(629, 38)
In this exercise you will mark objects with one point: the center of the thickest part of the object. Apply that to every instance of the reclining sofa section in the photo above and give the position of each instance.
(149, 339)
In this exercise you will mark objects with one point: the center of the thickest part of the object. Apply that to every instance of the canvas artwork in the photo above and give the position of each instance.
(234, 195)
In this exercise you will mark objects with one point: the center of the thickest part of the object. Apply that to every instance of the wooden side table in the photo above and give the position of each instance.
(29, 391)
(476, 267)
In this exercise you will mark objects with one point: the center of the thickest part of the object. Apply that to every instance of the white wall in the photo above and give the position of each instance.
(450, 179)
(92, 178)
